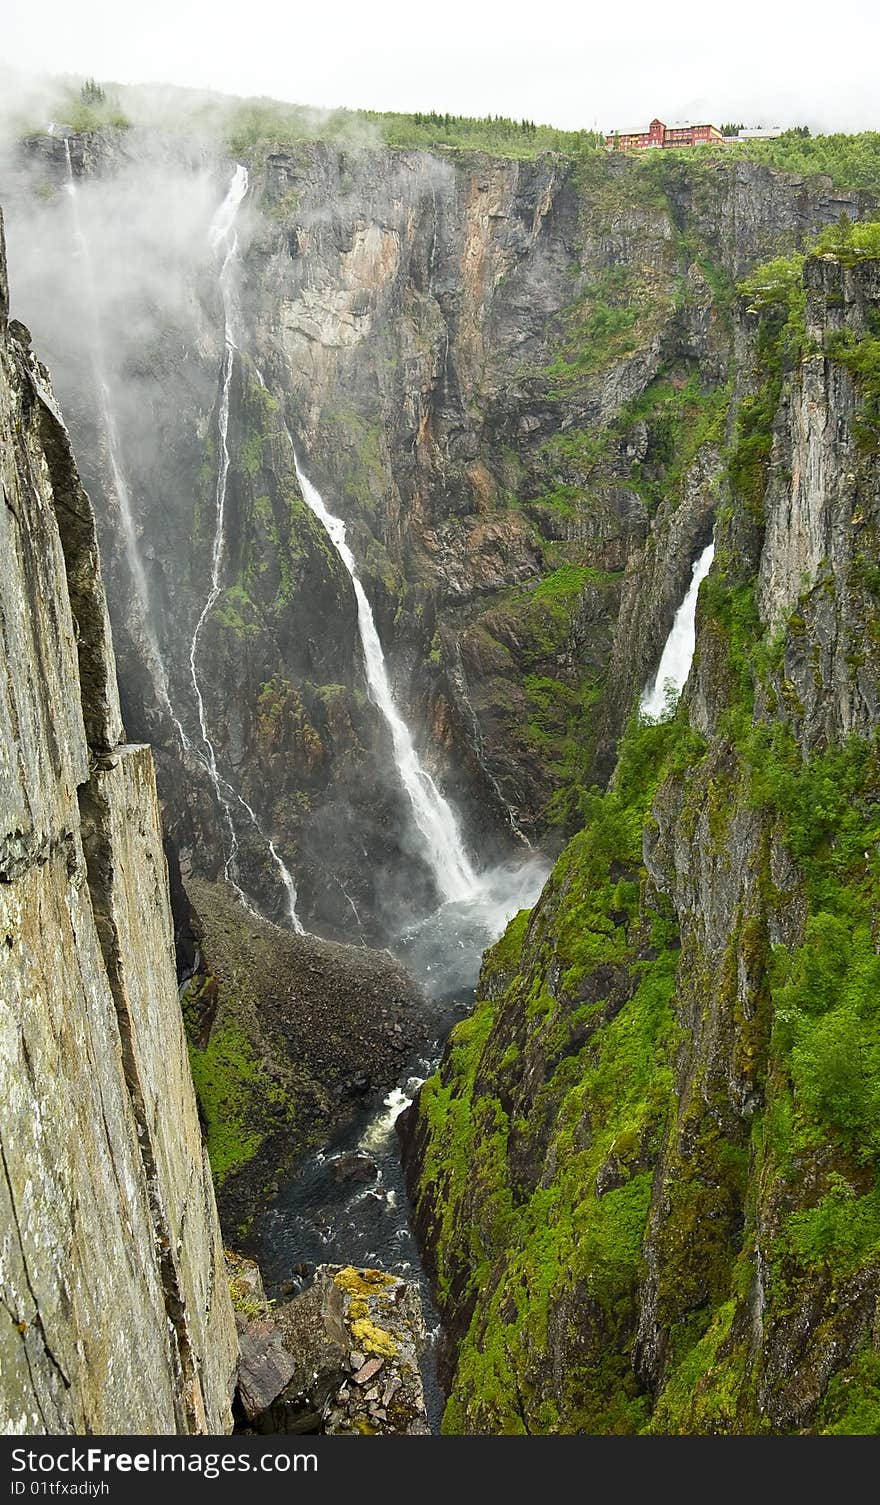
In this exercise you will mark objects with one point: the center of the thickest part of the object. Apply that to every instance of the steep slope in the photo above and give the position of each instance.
(509, 378)
(115, 1309)
(498, 367)
(646, 1175)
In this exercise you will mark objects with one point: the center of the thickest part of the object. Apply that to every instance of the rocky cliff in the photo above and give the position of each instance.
(510, 378)
(646, 1175)
(115, 1309)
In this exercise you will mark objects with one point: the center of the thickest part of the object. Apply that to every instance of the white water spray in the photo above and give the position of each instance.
(434, 818)
(224, 244)
(155, 662)
(678, 651)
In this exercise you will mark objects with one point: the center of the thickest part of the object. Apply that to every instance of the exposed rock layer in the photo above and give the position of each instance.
(478, 360)
(646, 1175)
(115, 1310)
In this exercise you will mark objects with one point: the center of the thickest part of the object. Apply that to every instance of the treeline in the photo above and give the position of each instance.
(850, 161)
(260, 120)
(491, 133)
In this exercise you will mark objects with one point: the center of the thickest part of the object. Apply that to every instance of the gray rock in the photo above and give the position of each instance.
(113, 1265)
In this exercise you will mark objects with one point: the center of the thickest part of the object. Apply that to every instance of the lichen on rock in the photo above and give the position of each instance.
(343, 1356)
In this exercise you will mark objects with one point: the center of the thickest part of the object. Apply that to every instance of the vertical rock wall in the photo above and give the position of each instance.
(646, 1174)
(114, 1312)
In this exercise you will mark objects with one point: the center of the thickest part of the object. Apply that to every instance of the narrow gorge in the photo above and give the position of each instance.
(490, 545)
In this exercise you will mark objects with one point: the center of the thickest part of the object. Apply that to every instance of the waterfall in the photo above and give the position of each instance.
(155, 662)
(224, 243)
(678, 652)
(224, 239)
(434, 819)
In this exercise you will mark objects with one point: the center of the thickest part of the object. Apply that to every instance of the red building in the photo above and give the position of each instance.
(659, 134)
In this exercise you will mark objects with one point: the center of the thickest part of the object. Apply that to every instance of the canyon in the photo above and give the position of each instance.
(405, 466)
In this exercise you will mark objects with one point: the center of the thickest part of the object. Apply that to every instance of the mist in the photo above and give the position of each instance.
(112, 270)
(572, 66)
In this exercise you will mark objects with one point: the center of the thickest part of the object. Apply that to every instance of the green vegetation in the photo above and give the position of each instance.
(91, 107)
(775, 294)
(546, 1123)
(257, 121)
(595, 1051)
(861, 357)
(92, 93)
(681, 418)
(612, 317)
(545, 702)
(227, 1074)
(850, 161)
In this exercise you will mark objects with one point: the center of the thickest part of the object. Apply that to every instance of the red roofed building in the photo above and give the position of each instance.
(660, 135)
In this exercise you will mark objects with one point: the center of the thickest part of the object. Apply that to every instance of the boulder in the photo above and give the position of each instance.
(341, 1357)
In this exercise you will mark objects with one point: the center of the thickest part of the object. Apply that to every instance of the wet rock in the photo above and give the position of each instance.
(299, 1013)
(354, 1166)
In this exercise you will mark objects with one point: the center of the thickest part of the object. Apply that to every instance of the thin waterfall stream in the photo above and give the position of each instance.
(321, 1215)
(224, 244)
(155, 661)
(678, 650)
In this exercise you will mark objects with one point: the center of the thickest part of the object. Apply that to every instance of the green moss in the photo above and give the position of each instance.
(599, 1076)
(548, 1121)
(841, 1232)
(851, 1404)
(505, 955)
(250, 454)
(609, 321)
(226, 1074)
(861, 357)
(235, 611)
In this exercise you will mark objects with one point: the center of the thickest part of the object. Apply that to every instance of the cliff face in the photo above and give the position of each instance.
(646, 1174)
(116, 1314)
(480, 359)
(509, 378)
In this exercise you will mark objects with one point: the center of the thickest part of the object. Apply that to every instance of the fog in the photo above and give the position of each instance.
(111, 268)
(143, 302)
(569, 64)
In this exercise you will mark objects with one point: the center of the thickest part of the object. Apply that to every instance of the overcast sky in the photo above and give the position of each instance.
(570, 64)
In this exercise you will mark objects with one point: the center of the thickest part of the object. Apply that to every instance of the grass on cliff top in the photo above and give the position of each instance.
(851, 161)
(253, 122)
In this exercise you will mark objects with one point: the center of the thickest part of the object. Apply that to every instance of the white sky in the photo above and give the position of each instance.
(571, 64)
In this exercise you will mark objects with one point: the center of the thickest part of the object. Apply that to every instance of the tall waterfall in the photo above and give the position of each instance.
(434, 819)
(155, 664)
(224, 244)
(678, 651)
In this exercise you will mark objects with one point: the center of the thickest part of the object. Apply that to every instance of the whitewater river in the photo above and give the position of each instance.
(347, 1204)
